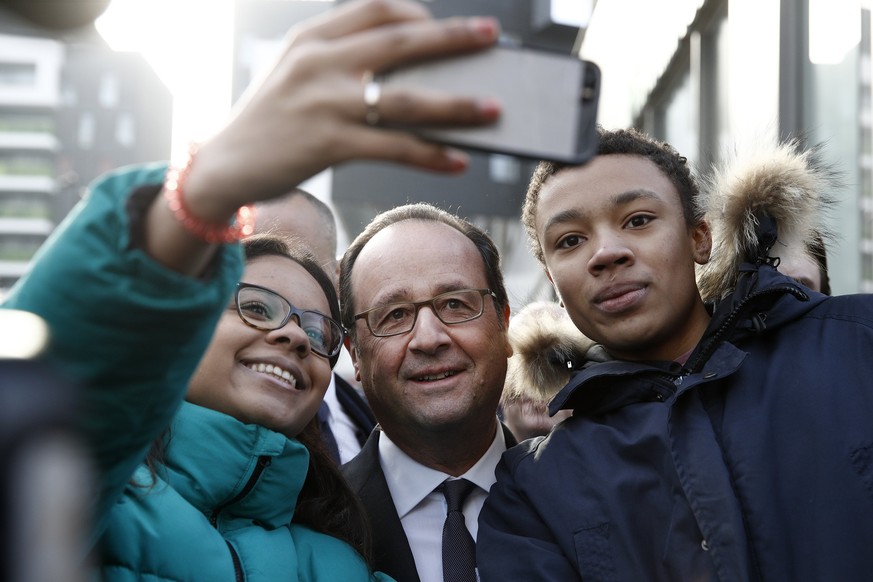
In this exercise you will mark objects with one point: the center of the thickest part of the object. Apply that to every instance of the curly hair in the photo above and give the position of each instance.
(621, 141)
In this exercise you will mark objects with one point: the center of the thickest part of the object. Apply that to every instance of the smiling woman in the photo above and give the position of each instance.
(258, 389)
(238, 373)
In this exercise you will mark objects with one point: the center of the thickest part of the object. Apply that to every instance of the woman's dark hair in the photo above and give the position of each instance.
(326, 503)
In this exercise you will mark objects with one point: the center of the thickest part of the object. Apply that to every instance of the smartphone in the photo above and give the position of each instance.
(549, 101)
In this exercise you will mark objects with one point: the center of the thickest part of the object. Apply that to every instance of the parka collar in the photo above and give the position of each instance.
(234, 471)
(763, 300)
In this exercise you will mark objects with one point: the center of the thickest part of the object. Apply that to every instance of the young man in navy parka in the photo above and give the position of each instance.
(725, 444)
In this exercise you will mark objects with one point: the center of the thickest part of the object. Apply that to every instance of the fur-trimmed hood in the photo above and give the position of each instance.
(545, 347)
(792, 185)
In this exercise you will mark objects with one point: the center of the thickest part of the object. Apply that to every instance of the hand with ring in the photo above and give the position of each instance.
(319, 106)
(372, 94)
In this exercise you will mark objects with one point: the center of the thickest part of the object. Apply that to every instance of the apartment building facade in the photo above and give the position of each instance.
(70, 110)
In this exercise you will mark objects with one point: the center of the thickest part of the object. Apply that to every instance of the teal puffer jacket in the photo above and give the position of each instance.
(130, 333)
(221, 510)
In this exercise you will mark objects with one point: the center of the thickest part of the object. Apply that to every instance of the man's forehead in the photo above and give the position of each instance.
(408, 241)
(414, 260)
(297, 217)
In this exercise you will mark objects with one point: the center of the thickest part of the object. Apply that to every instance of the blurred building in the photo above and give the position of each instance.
(70, 109)
(709, 76)
(30, 73)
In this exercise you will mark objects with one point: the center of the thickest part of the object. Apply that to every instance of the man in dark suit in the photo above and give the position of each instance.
(346, 419)
(425, 304)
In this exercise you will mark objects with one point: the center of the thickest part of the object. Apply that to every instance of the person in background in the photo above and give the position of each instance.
(791, 185)
(302, 215)
(731, 444)
(546, 346)
(818, 278)
(134, 283)
(424, 301)
(346, 419)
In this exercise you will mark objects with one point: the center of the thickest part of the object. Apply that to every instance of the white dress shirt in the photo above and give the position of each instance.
(422, 510)
(341, 425)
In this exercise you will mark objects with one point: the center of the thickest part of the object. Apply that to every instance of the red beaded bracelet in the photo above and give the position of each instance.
(242, 226)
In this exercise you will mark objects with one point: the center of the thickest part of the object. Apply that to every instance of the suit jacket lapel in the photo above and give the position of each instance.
(391, 551)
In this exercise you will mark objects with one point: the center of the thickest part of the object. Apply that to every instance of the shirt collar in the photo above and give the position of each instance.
(410, 482)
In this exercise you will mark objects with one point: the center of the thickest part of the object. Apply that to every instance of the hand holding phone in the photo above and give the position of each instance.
(549, 101)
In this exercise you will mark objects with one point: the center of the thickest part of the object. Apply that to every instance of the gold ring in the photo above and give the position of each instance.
(372, 94)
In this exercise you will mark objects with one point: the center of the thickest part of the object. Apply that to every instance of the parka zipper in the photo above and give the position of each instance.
(237, 565)
(715, 339)
(263, 462)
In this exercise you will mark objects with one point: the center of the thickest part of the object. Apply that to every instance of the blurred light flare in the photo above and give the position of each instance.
(834, 30)
(189, 44)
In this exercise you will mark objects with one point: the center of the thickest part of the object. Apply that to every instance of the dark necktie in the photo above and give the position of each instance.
(327, 434)
(459, 549)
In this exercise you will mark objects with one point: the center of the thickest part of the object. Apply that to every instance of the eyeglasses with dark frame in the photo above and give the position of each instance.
(266, 310)
(452, 307)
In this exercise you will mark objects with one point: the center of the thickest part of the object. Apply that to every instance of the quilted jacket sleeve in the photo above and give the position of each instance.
(127, 331)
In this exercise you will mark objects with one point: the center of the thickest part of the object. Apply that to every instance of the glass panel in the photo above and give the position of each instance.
(678, 118)
(26, 165)
(17, 74)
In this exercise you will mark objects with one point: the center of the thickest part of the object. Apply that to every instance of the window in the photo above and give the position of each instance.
(19, 248)
(26, 123)
(26, 164)
(125, 129)
(715, 128)
(17, 74)
(689, 106)
(87, 130)
(25, 206)
(677, 125)
(109, 91)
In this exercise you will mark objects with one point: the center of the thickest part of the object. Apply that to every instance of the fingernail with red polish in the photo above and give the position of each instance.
(456, 160)
(486, 28)
(489, 108)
